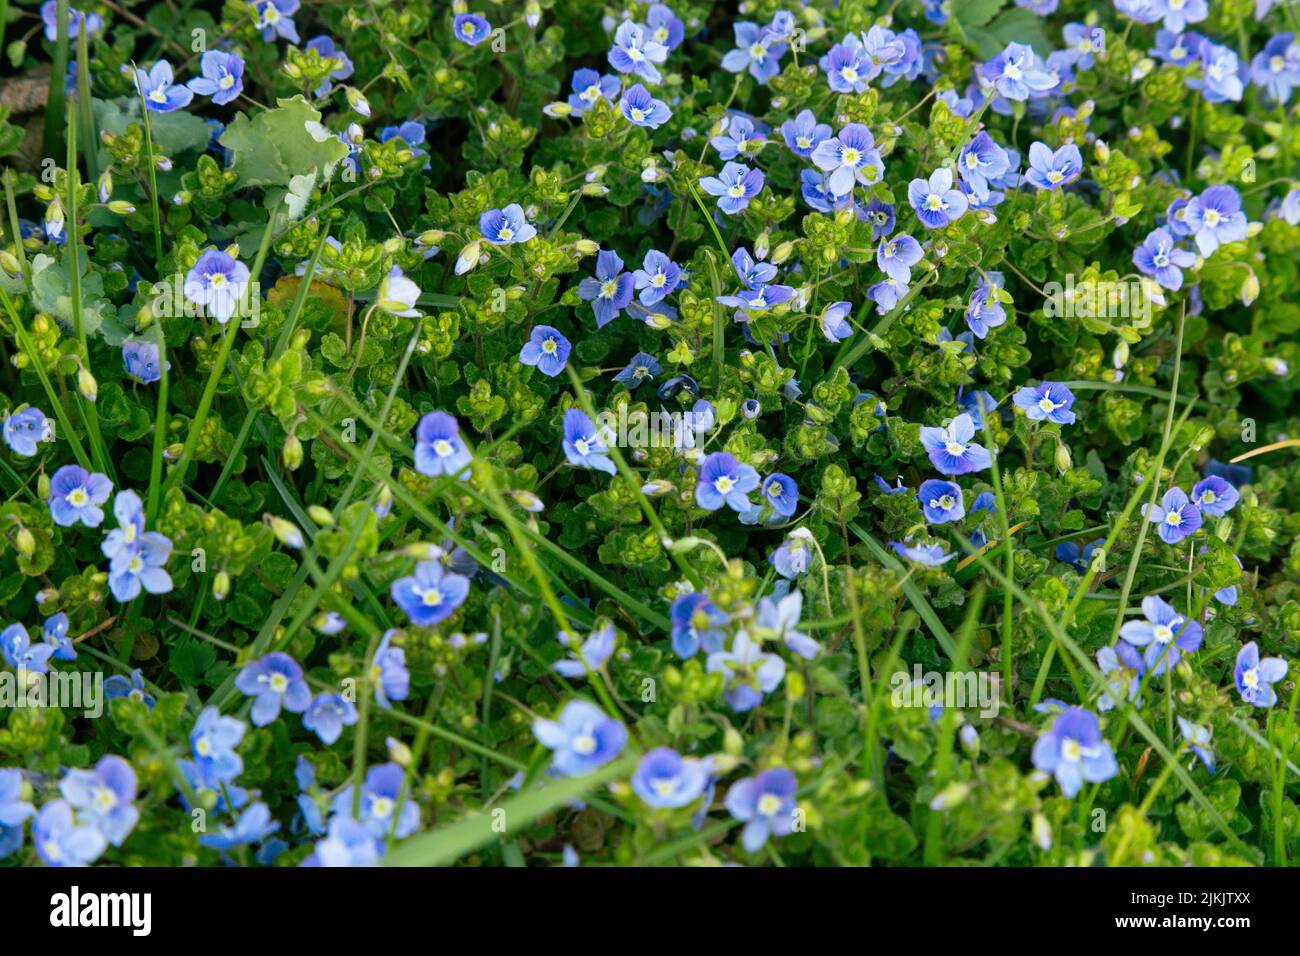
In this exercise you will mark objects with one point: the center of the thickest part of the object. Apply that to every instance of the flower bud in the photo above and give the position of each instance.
(25, 541)
(357, 100)
(398, 752)
(220, 585)
(43, 487)
(322, 516)
(121, 207)
(86, 384)
(1250, 288)
(291, 454)
(286, 532)
(468, 257)
(1063, 459)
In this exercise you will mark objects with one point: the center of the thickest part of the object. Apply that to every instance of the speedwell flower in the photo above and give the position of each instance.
(1165, 634)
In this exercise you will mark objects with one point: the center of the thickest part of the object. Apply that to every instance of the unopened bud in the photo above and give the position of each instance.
(25, 541)
(221, 585)
(322, 516)
(291, 454)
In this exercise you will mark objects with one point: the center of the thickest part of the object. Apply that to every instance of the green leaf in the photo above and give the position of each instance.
(279, 144)
(974, 13)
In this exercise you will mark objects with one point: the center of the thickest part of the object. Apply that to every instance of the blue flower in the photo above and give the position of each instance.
(1221, 78)
(804, 134)
(504, 227)
(439, 449)
(738, 138)
(794, 555)
(411, 133)
(756, 50)
(1254, 676)
(641, 109)
(926, 555)
(584, 444)
(273, 681)
(1159, 257)
(328, 714)
(980, 161)
(724, 480)
(21, 654)
(834, 321)
(347, 844)
(388, 672)
(848, 69)
(118, 687)
(161, 95)
(217, 283)
(657, 278)
(985, 312)
(749, 672)
(850, 157)
(1214, 496)
(590, 656)
(1052, 170)
(643, 367)
(765, 804)
(431, 594)
(275, 19)
(666, 780)
(1047, 401)
(1177, 515)
(1078, 558)
(222, 79)
(935, 202)
(581, 739)
(55, 632)
(941, 501)
(213, 740)
(546, 349)
(327, 49)
(1016, 73)
(1198, 741)
(1073, 750)
(1214, 218)
(50, 17)
(782, 493)
(61, 841)
(610, 291)
(736, 185)
(253, 825)
(664, 26)
(1165, 634)
(103, 797)
(76, 496)
(1276, 69)
(897, 255)
(635, 51)
(25, 429)
(696, 622)
(1178, 49)
(137, 559)
(470, 28)
(589, 86)
(14, 810)
(142, 361)
(1122, 666)
(1177, 14)
(951, 450)
(778, 620)
(381, 793)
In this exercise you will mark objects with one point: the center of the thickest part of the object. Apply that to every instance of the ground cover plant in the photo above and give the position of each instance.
(551, 433)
